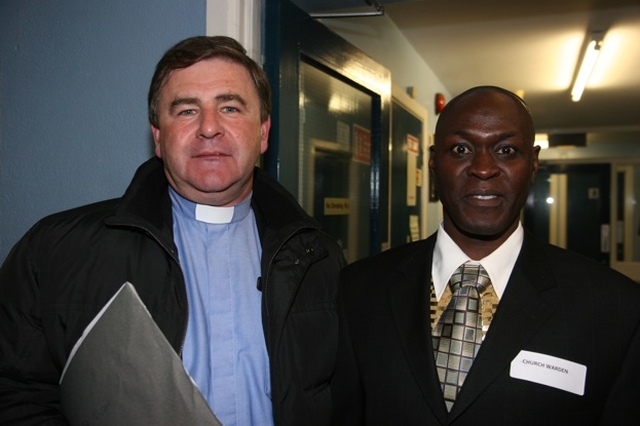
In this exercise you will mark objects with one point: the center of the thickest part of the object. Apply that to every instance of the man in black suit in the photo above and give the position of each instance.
(561, 332)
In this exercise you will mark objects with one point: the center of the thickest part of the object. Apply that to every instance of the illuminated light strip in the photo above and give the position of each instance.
(586, 67)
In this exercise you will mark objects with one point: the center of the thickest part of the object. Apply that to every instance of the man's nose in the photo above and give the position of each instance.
(210, 125)
(483, 165)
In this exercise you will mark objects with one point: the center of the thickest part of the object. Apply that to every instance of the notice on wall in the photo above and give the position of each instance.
(414, 227)
(361, 144)
(413, 149)
(336, 206)
(343, 136)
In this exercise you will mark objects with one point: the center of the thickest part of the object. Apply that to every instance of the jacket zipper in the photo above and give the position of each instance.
(183, 288)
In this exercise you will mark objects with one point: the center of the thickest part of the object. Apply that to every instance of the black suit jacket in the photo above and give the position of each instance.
(556, 303)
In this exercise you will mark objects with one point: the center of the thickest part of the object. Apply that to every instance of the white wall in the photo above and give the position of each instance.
(240, 19)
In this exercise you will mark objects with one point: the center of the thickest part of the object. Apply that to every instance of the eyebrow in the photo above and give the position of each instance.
(231, 97)
(182, 101)
(225, 97)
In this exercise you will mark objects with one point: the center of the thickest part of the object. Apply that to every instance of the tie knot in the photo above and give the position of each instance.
(472, 275)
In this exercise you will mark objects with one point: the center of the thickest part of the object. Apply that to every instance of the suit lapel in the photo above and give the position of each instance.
(520, 314)
(409, 299)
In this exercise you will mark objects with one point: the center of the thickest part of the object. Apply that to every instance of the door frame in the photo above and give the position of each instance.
(412, 106)
(292, 36)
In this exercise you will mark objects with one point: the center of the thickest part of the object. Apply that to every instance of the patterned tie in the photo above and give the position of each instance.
(458, 334)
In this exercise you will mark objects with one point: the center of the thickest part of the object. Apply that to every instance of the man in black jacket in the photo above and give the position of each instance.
(551, 338)
(238, 277)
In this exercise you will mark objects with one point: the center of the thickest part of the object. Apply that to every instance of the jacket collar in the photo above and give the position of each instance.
(276, 207)
(146, 205)
(410, 306)
(278, 214)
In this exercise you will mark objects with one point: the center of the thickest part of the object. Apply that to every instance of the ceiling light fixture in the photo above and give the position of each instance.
(589, 59)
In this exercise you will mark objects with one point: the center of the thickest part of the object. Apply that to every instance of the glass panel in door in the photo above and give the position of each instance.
(334, 156)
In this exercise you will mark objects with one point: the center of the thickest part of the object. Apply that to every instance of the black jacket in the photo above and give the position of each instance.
(63, 271)
(556, 304)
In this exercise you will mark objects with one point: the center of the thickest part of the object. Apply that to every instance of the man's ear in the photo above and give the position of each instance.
(155, 132)
(536, 163)
(264, 134)
(431, 159)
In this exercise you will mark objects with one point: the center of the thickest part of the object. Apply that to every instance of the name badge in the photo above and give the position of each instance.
(549, 371)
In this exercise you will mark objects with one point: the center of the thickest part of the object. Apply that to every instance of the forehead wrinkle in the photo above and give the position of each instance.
(467, 134)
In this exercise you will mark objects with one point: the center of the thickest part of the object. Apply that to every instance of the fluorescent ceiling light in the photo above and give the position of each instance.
(586, 67)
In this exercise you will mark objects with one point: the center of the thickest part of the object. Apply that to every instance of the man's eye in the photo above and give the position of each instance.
(506, 150)
(187, 112)
(229, 109)
(461, 149)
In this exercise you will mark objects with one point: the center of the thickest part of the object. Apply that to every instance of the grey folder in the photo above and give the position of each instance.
(123, 371)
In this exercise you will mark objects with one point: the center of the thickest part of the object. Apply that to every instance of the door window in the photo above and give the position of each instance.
(335, 157)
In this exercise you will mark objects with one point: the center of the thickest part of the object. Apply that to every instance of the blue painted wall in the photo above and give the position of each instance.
(74, 76)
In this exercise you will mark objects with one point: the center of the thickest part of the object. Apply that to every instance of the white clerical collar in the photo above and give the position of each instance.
(209, 214)
(213, 214)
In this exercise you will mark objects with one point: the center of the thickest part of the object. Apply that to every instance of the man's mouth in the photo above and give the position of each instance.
(484, 197)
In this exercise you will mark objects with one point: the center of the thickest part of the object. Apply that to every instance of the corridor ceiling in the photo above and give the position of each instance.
(528, 46)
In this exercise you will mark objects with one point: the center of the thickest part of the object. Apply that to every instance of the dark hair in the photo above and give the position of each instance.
(196, 49)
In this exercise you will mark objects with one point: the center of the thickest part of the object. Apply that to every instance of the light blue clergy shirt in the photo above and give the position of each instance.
(224, 350)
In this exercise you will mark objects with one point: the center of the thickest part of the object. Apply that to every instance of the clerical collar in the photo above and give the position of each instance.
(209, 214)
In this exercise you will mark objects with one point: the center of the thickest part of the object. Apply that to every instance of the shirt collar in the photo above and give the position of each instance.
(448, 256)
(209, 214)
